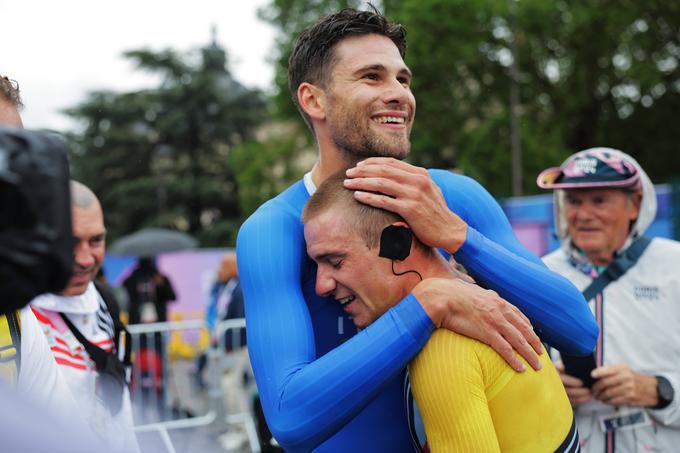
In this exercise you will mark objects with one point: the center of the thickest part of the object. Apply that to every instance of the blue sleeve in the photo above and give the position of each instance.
(307, 399)
(496, 259)
(211, 309)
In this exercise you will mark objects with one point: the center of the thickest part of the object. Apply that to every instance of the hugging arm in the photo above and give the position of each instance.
(307, 399)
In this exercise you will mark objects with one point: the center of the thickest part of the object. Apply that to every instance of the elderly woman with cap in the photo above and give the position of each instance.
(604, 202)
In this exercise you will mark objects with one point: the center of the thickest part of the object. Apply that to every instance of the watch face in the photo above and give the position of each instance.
(664, 389)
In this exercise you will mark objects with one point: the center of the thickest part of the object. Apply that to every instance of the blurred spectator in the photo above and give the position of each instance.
(82, 332)
(604, 203)
(225, 301)
(149, 292)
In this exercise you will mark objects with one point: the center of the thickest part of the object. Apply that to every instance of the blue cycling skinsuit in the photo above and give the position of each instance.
(328, 388)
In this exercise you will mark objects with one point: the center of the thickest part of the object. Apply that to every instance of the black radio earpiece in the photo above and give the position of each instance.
(395, 245)
(395, 242)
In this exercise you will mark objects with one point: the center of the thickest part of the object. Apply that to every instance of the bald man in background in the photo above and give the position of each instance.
(81, 310)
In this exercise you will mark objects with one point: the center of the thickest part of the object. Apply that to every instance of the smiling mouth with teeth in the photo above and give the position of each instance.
(346, 300)
(389, 120)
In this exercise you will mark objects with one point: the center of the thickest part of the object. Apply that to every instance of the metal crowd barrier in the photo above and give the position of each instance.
(151, 373)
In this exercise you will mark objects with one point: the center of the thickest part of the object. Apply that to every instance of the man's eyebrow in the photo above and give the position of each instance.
(406, 71)
(370, 67)
(381, 67)
(327, 255)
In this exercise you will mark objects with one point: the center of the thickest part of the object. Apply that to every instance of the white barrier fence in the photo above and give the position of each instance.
(152, 380)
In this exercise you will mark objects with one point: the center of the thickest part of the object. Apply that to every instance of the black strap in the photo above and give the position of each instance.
(97, 354)
(111, 372)
(118, 326)
(618, 267)
(15, 334)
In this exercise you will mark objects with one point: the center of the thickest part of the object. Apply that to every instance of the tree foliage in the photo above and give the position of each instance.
(161, 156)
(265, 167)
(600, 73)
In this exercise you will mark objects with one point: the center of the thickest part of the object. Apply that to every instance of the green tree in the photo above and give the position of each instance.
(594, 73)
(265, 167)
(161, 156)
(604, 72)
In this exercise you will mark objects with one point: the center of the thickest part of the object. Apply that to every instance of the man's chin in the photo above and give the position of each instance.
(376, 147)
(75, 289)
(362, 322)
(394, 152)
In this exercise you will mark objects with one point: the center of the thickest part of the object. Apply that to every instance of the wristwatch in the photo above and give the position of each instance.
(665, 391)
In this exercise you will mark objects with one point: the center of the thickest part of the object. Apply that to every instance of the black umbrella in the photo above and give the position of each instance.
(152, 242)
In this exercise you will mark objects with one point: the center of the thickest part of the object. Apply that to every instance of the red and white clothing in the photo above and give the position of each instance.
(39, 377)
(90, 316)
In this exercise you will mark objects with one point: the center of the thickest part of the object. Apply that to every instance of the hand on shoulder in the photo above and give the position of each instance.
(482, 314)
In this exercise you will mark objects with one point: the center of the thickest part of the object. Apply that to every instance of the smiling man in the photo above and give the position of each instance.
(81, 311)
(605, 202)
(323, 385)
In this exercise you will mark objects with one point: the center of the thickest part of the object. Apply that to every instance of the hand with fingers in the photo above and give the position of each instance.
(619, 385)
(478, 313)
(409, 191)
(578, 394)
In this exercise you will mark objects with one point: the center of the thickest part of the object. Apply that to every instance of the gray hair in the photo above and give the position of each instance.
(81, 195)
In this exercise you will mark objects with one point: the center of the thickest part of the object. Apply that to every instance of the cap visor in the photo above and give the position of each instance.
(546, 180)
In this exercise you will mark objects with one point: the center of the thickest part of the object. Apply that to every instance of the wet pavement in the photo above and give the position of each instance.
(185, 399)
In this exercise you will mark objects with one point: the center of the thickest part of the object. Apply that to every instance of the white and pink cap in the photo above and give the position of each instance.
(593, 168)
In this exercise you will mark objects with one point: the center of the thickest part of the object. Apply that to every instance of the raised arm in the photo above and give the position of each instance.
(455, 213)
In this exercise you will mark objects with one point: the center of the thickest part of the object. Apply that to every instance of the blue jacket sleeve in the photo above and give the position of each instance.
(211, 309)
(307, 399)
(497, 260)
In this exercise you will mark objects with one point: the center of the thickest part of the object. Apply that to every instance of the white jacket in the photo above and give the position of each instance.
(641, 328)
(89, 315)
(39, 376)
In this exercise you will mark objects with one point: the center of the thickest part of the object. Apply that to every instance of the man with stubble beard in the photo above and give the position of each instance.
(324, 385)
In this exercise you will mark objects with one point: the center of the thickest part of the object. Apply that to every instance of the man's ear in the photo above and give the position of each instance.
(400, 223)
(312, 100)
(636, 200)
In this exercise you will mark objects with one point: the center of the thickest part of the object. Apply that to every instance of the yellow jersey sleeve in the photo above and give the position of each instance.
(472, 401)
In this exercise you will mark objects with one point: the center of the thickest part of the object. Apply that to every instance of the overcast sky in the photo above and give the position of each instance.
(60, 50)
